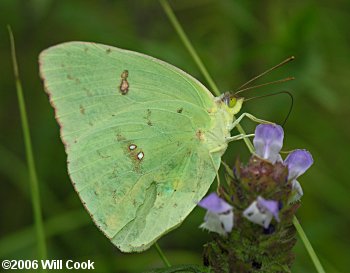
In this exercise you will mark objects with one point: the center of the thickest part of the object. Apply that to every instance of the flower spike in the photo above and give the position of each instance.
(263, 235)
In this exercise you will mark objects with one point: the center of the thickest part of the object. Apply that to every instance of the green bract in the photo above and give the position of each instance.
(144, 139)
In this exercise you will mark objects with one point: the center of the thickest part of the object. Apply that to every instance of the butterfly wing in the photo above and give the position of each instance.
(134, 130)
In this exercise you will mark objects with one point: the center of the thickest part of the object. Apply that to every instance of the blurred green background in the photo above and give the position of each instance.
(237, 40)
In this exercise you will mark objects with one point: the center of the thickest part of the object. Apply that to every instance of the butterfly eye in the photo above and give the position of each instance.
(232, 102)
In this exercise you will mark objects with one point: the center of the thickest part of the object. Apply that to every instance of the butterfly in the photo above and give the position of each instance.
(144, 139)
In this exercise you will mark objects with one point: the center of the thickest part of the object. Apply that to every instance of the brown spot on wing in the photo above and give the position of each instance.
(70, 77)
(120, 137)
(87, 91)
(124, 85)
(148, 117)
(200, 135)
(102, 155)
(82, 110)
(136, 156)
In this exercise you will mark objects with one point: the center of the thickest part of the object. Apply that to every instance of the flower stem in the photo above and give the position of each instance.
(162, 256)
(33, 180)
(308, 246)
(178, 28)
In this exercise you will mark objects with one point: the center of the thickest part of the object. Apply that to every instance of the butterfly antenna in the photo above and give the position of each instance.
(274, 94)
(264, 84)
(267, 71)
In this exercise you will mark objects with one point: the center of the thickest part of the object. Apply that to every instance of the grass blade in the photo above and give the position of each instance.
(308, 246)
(162, 255)
(169, 12)
(33, 180)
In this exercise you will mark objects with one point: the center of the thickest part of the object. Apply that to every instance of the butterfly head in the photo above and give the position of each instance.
(232, 101)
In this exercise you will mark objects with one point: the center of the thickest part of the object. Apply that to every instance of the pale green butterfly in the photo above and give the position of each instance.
(144, 139)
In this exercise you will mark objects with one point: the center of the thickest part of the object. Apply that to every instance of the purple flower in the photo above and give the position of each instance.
(214, 204)
(268, 141)
(262, 211)
(219, 217)
(297, 162)
(269, 205)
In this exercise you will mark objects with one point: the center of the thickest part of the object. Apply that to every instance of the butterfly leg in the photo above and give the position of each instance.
(251, 117)
(238, 137)
(217, 149)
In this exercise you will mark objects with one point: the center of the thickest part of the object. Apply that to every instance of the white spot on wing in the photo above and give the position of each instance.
(140, 156)
(132, 147)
